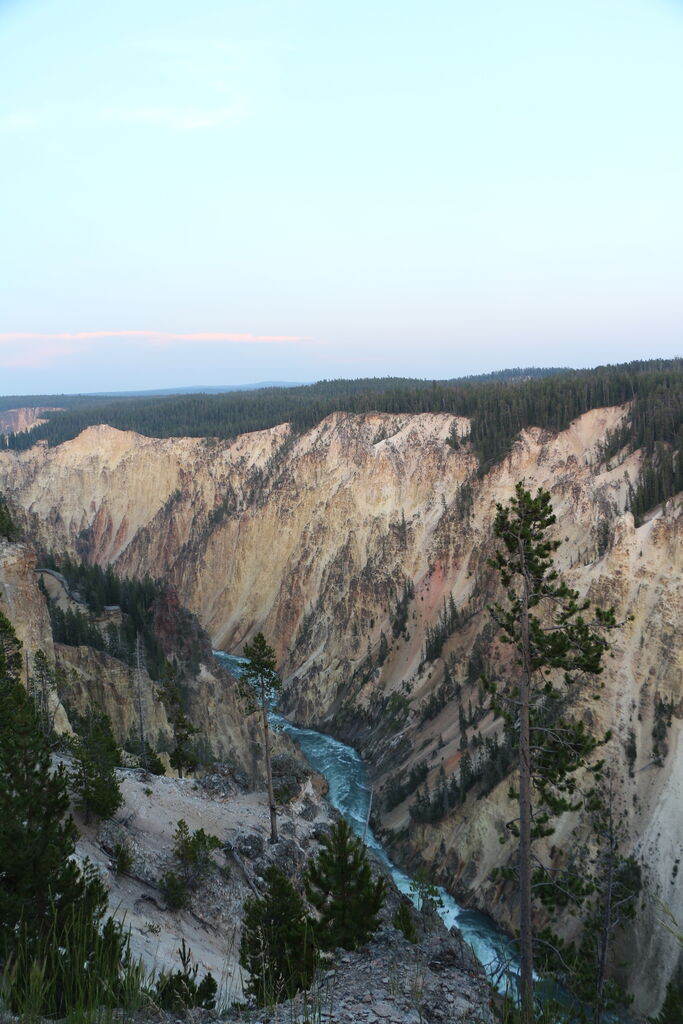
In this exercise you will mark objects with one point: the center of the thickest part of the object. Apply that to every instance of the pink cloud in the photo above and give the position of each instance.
(154, 337)
(35, 349)
(13, 354)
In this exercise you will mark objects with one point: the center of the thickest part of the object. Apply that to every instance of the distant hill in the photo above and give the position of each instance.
(86, 398)
(198, 389)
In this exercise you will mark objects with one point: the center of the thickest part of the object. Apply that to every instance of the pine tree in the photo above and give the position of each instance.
(277, 946)
(557, 640)
(47, 903)
(339, 885)
(42, 683)
(8, 529)
(96, 756)
(152, 762)
(611, 883)
(262, 682)
(183, 757)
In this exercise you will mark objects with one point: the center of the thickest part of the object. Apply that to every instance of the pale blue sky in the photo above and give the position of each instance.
(328, 188)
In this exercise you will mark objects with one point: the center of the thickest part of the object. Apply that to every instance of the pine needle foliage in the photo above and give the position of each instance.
(556, 644)
(340, 886)
(96, 756)
(277, 947)
(260, 684)
(56, 949)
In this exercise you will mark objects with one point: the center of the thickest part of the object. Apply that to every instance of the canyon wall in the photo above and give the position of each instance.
(15, 421)
(346, 545)
(87, 678)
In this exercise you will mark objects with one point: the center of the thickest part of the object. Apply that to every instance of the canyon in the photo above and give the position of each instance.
(348, 545)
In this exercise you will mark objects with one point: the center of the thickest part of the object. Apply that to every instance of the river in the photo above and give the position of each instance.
(349, 793)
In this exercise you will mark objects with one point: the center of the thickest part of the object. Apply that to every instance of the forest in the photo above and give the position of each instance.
(499, 406)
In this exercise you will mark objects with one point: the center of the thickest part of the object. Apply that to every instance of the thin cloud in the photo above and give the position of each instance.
(36, 349)
(153, 337)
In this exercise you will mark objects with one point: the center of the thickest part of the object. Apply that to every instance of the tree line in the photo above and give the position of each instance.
(499, 405)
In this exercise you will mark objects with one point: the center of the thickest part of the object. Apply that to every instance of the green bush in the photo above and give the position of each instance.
(193, 852)
(181, 991)
(123, 859)
(403, 920)
(175, 890)
(339, 885)
(192, 855)
(277, 946)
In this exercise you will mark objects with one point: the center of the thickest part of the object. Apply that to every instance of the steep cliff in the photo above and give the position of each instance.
(87, 678)
(23, 604)
(351, 545)
(13, 421)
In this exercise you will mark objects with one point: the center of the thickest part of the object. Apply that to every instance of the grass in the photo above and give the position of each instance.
(66, 978)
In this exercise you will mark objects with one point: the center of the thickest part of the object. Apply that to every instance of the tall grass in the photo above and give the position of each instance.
(71, 969)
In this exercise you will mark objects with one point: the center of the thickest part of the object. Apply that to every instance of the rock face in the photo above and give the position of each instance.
(88, 678)
(346, 546)
(21, 600)
(14, 421)
(23, 604)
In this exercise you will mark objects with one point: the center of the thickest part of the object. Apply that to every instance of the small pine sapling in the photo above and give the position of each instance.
(260, 683)
(340, 886)
(277, 947)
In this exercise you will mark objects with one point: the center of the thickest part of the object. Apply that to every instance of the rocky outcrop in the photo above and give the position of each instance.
(15, 421)
(394, 981)
(347, 546)
(23, 604)
(389, 979)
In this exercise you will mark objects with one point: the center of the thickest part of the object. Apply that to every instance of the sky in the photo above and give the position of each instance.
(230, 191)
